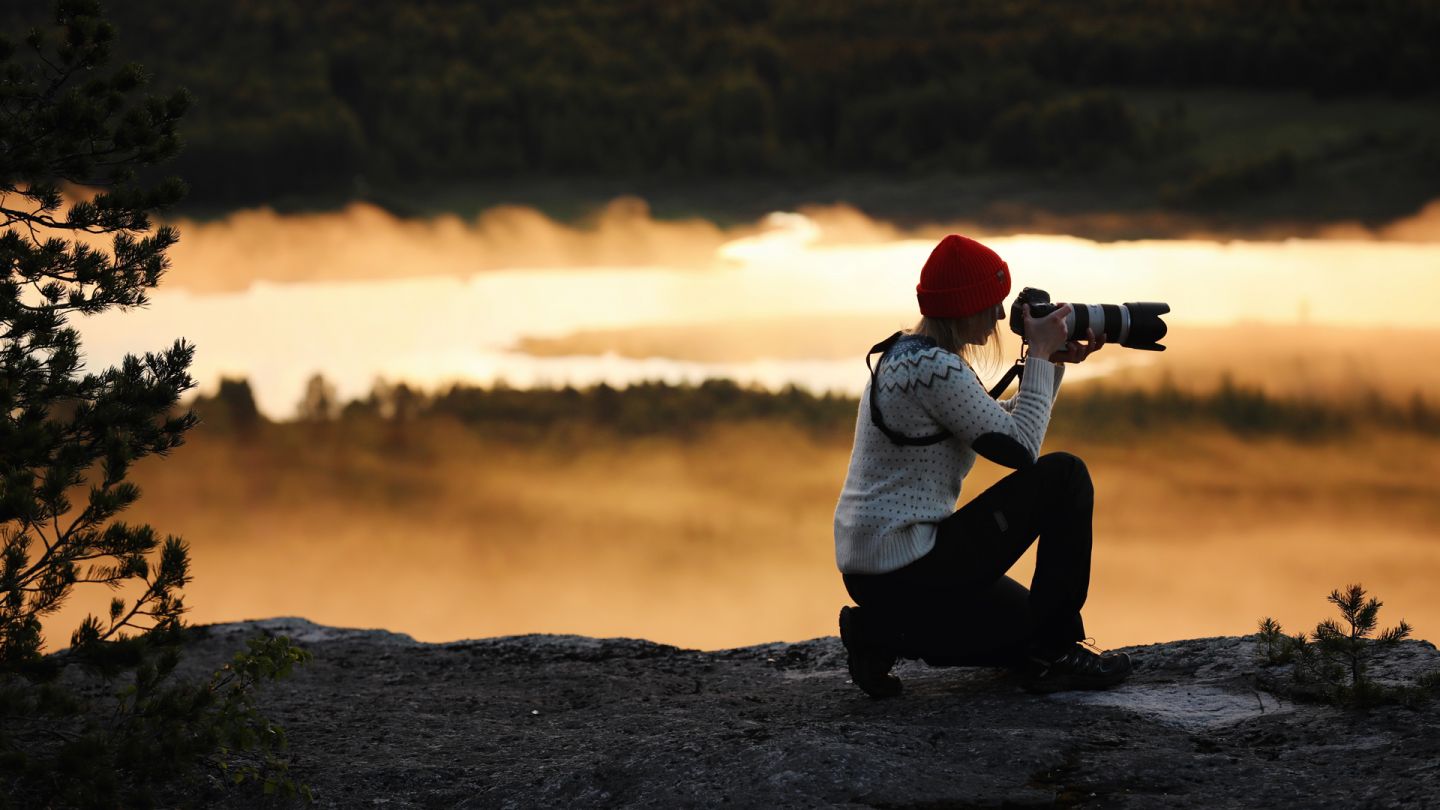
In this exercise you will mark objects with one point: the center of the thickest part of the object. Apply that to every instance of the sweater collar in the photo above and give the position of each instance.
(912, 343)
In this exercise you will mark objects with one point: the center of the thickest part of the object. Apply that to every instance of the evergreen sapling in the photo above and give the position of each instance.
(69, 437)
(1335, 658)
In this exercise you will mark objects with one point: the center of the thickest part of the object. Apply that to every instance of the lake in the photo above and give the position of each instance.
(437, 320)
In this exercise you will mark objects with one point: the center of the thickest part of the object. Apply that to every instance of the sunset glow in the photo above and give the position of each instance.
(436, 317)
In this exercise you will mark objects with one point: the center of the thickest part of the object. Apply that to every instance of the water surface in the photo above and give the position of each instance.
(439, 325)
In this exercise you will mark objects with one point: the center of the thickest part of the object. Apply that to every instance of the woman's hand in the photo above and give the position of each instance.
(1047, 335)
(1076, 352)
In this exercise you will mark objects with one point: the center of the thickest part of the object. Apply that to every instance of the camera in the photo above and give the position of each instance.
(1132, 325)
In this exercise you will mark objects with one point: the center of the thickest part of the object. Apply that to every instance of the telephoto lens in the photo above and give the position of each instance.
(1134, 325)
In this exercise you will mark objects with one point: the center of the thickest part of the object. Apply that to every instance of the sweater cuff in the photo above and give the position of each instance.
(1039, 377)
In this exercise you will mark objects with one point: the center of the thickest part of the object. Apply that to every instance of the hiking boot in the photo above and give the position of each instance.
(1076, 668)
(870, 663)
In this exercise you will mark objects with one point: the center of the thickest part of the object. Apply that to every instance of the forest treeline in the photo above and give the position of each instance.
(1094, 410)
(335, 97)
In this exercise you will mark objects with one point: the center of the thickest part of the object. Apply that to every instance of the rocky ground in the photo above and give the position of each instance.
(378, 719)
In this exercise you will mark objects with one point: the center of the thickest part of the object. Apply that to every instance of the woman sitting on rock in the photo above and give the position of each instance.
(930, 581)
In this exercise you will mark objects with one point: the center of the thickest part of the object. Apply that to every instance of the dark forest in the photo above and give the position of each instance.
(337, 100)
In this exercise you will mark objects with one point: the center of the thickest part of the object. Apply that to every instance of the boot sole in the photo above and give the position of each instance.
(1067, 684)
(1070, 683)
(889, 685)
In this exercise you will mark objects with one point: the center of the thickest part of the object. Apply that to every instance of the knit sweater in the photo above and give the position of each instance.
(894, 495)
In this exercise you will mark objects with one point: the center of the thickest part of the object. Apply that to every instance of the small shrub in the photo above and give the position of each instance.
(1331, 664)
(89, 745)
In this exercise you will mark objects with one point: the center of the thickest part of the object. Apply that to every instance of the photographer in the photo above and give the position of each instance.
(930, 581)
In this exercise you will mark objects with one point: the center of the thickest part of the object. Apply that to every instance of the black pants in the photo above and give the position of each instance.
(956, 607)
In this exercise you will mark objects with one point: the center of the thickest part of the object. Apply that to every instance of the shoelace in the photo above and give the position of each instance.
(1100, 656)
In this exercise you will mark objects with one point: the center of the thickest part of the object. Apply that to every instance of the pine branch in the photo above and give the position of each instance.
(1395, 634)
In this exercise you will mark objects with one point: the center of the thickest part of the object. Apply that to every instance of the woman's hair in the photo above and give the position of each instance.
(973, 337)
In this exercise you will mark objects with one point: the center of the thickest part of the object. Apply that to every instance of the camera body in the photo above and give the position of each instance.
(1134, 325)
(1040, 306)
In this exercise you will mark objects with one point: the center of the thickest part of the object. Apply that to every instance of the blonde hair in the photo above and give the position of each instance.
(974, 337)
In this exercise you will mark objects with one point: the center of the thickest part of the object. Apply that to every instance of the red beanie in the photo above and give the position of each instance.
(961, 277)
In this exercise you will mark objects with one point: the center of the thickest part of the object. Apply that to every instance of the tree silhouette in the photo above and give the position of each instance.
(73, 135)
(236, 401)
(67, 124)
(320, 403)
(1350, 645)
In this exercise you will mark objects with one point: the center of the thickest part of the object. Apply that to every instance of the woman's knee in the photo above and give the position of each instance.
(1066, 470)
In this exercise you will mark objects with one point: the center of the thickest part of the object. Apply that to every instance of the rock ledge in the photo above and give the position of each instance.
(572, 721)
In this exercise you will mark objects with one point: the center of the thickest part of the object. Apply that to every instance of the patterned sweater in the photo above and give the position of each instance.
(894, 495)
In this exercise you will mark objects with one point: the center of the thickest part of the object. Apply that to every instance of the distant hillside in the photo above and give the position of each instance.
(1189, 105)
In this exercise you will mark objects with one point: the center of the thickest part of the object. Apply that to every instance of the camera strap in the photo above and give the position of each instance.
(1016, 371)
(883, 348)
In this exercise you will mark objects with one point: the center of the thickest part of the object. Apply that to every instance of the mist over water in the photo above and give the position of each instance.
(363, 242)
(359, 294)
(726, 540)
